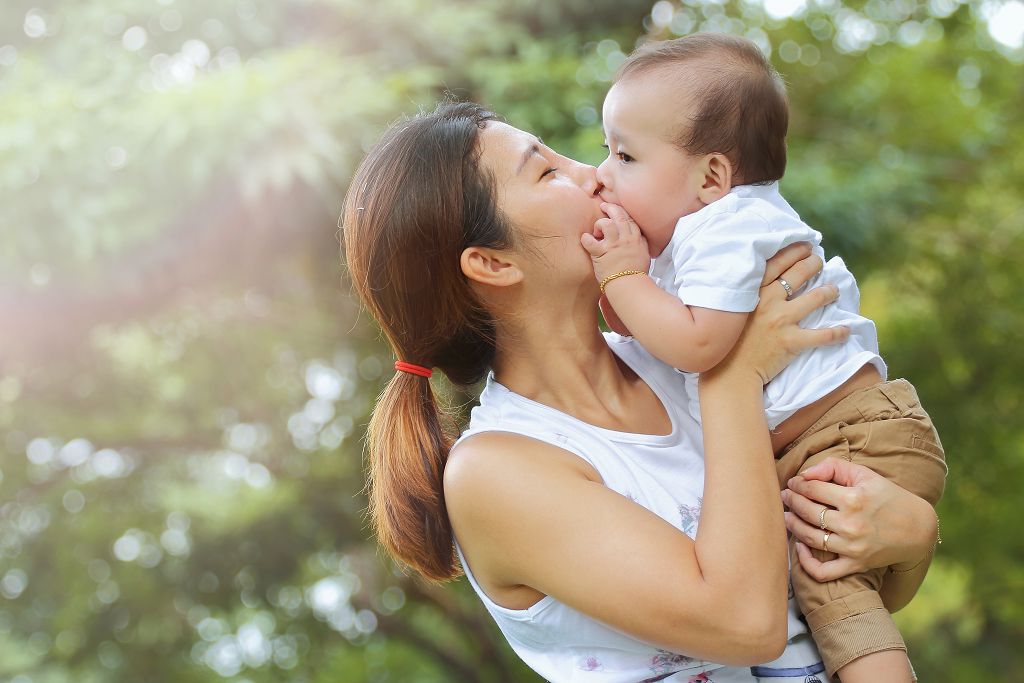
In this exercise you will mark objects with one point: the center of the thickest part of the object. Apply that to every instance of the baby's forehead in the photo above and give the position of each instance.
(654, 98)
(681, 86)
(682, 81)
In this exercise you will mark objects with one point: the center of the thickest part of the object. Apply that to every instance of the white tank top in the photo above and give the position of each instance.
(665, 474)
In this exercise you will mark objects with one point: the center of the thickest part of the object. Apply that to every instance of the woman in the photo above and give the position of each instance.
(575, 494)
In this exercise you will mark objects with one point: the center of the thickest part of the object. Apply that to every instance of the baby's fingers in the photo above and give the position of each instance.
(594, 246)
(622, 220)
(608, 229)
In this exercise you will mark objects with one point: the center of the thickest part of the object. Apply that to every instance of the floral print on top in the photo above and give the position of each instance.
(689, 516)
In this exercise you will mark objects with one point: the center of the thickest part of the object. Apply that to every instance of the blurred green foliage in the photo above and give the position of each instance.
(184, 383)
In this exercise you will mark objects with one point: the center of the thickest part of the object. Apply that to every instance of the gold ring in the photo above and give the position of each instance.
(824, 541)
(821, 519)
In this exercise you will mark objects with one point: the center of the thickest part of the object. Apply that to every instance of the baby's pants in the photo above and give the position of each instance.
(884, 428)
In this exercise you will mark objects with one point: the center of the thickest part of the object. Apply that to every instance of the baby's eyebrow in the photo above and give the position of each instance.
(614, 134)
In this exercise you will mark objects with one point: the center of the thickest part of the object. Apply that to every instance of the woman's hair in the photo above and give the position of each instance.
(741, 110)
(419, 199)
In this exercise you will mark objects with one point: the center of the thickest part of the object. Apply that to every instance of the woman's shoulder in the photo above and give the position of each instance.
(501, 458)
(495, 481)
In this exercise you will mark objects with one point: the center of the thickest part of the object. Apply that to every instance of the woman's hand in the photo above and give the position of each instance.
(773, 336)
(872, 521)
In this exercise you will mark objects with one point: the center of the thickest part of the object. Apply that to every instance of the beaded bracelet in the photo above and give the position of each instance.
(619, 274)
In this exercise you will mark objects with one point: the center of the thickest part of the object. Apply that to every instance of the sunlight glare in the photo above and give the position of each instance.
(1006, 26)
(783, 9)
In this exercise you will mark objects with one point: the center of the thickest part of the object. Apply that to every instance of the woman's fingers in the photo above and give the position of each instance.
(826, 336)
(842, 472)
(808, 302)
(813, 536)
(824, 571)
(785, 259)
(810, 511)
(824, 492)
(801, 272)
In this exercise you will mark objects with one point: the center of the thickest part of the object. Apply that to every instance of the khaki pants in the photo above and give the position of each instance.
(884, 428)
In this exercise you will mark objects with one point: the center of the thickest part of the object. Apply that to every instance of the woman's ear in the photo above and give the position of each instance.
(717, 172)
(489, 267)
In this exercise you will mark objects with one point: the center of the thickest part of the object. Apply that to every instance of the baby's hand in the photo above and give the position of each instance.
(617, 244)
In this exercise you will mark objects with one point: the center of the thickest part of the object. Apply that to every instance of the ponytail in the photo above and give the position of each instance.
(408, 442)
(416, 202)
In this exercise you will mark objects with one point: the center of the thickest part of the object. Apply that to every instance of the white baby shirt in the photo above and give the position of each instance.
(716, 259)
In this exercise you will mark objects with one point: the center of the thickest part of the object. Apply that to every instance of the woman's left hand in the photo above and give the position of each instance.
(872, 522)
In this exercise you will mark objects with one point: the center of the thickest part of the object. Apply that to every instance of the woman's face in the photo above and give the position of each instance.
(550, 199)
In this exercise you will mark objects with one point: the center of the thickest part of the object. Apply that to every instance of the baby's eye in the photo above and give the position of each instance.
(624, 158)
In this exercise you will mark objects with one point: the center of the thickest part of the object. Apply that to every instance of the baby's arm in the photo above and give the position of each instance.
(690, 338)
(687, 337)
(612, 318)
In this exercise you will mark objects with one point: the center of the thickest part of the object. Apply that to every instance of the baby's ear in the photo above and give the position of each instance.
(717, 171)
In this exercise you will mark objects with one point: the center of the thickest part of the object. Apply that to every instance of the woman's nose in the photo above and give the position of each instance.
(602, 173)
(587, 179)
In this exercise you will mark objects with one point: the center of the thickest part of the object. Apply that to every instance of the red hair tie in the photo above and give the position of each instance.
(402, 366)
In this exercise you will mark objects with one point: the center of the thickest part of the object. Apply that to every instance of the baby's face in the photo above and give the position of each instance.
(647, 175)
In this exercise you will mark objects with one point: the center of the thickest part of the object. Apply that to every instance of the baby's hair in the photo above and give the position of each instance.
(741, 108)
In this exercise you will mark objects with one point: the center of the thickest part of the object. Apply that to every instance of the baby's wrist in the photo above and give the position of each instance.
(618, 276)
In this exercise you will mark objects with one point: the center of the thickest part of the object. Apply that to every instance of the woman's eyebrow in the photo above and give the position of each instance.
(530, 151)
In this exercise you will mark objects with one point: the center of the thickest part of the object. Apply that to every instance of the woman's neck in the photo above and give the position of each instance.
(563, 361)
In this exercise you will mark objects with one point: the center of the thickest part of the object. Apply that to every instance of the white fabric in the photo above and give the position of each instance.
(665, 474)
(716, 259)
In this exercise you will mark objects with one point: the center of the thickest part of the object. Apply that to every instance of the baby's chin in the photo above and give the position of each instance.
(655, 250)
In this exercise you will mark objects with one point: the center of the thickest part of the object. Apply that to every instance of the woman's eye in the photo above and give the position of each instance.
(550, 170)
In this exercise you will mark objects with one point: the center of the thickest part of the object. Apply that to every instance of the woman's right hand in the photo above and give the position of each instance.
(773, 337)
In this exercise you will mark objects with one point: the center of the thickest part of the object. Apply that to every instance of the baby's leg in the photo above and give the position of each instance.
(891, 666)
(847, 618)
(884, 428)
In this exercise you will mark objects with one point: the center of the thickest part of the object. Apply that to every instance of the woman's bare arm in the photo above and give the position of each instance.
(525, 515)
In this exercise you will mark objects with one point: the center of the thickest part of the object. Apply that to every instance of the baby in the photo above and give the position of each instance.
(696, 137)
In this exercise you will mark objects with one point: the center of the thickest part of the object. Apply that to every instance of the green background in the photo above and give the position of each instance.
(185, 377)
